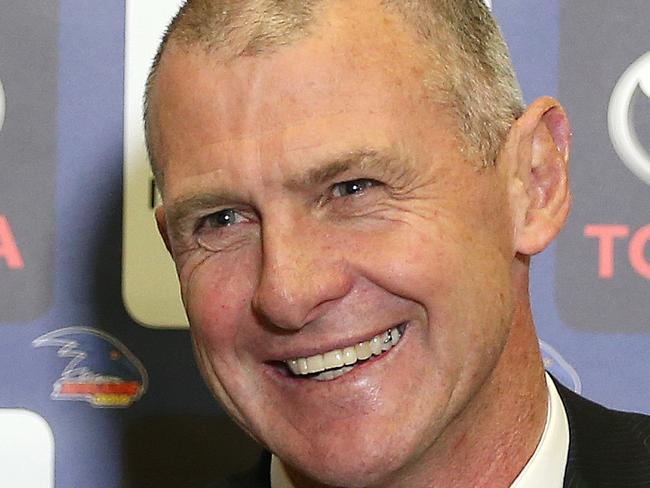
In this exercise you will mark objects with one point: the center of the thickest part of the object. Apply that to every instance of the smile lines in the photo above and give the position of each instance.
(337, 362)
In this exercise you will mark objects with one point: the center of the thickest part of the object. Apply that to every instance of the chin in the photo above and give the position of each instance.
(362, 457)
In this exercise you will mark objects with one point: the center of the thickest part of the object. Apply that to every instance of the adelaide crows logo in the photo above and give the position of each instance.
(101, 371)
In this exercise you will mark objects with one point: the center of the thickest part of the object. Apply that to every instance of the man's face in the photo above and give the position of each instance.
(317, 197)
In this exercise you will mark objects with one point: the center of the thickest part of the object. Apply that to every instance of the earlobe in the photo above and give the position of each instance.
(161, 222)
(542, 200)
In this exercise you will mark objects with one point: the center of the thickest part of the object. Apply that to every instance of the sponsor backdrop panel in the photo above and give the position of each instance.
(109, 403)
(602, 278)
(28, 100)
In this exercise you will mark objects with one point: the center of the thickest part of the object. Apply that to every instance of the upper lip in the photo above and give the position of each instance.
(322, 346)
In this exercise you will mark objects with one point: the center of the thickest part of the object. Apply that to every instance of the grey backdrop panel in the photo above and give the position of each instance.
(28, 151)
(599, 41)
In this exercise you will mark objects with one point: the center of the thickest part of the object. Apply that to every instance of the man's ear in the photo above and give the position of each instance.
(161, 222)
(538, 152)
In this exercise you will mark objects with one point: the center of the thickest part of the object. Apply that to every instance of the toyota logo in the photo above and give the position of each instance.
(620, 121)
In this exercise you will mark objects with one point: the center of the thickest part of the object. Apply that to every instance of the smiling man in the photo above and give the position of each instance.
(352, 192)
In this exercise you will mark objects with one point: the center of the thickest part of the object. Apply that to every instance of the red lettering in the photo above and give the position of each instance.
(606, 235)
(130, 388)
(8, 248)
(636, 252)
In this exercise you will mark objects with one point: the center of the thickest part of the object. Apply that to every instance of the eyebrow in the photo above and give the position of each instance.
(381, 163)
(365, 160)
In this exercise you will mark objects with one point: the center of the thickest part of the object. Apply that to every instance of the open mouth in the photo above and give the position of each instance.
(333, 364)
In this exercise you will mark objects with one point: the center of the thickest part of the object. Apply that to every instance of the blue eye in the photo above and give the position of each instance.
(223, 229)
(223, 218)
(353, 187)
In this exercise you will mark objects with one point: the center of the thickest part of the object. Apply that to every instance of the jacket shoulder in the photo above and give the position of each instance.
(607, 448)
(257, 477)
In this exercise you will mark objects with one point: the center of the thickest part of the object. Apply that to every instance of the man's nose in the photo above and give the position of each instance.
(302, 272)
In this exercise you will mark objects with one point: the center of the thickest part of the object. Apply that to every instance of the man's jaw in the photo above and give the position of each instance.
(332, 364)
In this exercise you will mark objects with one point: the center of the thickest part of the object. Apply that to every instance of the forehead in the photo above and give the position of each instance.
(354, 65)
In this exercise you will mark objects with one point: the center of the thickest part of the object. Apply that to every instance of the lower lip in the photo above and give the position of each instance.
(282, 373)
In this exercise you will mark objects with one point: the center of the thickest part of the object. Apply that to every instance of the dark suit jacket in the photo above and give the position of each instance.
(607, 449)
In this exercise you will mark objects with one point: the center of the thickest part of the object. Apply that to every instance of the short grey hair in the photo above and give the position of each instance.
(470, 61)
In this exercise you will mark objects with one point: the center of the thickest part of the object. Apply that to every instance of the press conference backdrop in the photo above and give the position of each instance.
(97, 383)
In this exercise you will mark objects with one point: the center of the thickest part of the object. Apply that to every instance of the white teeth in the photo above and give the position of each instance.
(302, 366)
(386, 342)
(333, 359)
(375, 345)
(349, 356)
(333, 374)
(293, 366)
(315, 364)
(337, 362)
(395, 336)
(363, 350)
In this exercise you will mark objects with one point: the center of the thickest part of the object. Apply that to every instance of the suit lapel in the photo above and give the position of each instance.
(606, 448)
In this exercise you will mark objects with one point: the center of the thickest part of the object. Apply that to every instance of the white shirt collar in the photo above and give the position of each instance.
(545, 469)
(279, 476)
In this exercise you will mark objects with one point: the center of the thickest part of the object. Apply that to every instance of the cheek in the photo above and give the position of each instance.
(217, 293)
(413, 260)
(457, 273)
